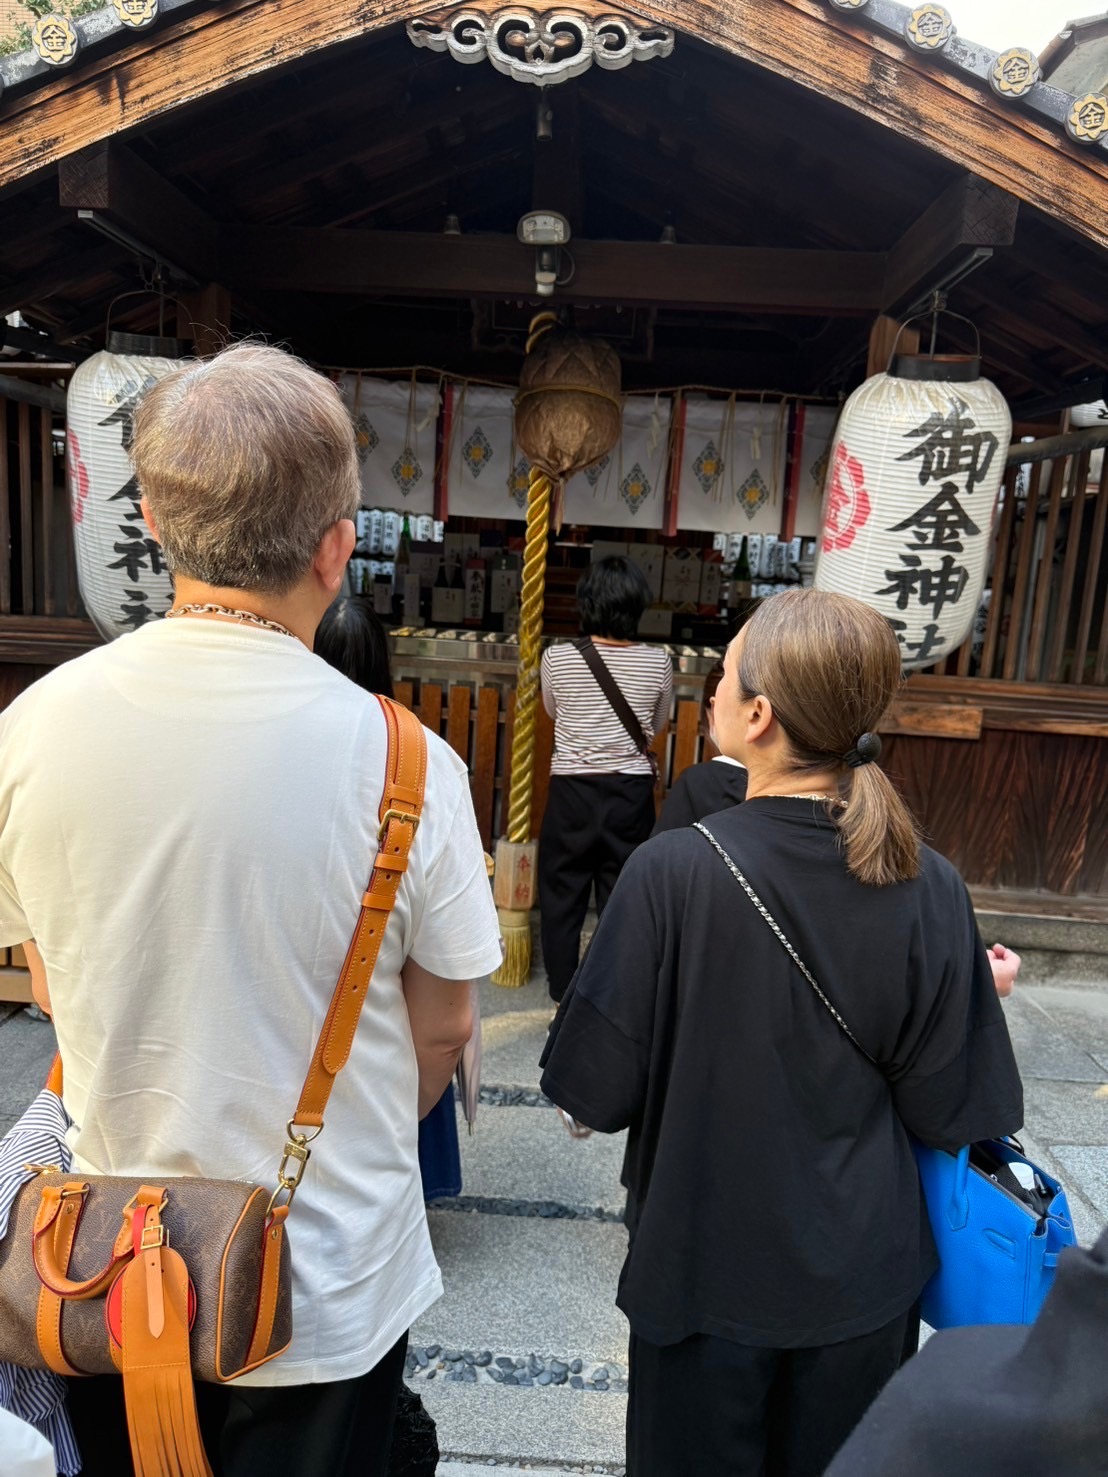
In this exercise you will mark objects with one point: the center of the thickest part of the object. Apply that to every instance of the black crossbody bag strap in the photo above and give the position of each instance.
(610, 688)
(782, 940)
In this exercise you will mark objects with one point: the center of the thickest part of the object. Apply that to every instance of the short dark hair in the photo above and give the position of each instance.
(611, 597)
(352, 639)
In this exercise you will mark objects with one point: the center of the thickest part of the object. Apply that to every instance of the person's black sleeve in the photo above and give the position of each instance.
(955, 1080)
(597, 1058)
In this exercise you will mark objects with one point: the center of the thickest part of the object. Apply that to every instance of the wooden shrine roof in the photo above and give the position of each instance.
(317, 194)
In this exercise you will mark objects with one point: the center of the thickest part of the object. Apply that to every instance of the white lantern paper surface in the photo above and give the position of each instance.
(731, 476)
(911, 494)
(396, 424)
(1084, 416)
(487, 476)
(122, 575)
(627, 488)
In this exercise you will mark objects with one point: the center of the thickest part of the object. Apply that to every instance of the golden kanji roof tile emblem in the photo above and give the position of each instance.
(55, 40)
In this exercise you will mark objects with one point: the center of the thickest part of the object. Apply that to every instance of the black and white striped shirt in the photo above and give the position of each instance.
(588, 736)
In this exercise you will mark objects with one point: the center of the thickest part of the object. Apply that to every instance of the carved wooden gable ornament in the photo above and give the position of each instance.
(543, 47)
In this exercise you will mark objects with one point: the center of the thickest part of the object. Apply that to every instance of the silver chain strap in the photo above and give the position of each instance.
(772, 921)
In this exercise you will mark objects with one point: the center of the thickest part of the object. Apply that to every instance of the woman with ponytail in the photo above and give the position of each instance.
(779, 1241)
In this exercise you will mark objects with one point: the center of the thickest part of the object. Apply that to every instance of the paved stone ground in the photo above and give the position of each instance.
(531, 1254)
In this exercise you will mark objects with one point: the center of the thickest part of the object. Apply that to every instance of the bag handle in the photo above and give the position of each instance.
(620, 706)
(398, 817)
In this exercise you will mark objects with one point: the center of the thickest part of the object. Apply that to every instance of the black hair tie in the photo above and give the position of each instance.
(865, 751)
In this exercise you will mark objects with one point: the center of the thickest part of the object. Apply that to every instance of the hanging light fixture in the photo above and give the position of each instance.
(914, 472)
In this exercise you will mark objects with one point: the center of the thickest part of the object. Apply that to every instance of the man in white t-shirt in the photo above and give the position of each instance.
(187, 822)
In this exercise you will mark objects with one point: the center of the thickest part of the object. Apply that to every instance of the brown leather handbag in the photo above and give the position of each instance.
(187, 1278)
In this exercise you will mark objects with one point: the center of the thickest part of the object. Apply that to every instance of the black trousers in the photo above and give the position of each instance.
(339, 1429)
(709, 1406)
(592, 825)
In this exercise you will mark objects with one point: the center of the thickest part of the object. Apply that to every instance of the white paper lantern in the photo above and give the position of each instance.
(120, 569)
(911, 495)
(1083, 416)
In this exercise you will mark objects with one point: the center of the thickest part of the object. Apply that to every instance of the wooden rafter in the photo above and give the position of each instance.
(797, 39)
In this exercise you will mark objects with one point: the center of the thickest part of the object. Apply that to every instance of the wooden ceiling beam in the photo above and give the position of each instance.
(969, 215)
(385, 263)
(57, 276)
(127, 195)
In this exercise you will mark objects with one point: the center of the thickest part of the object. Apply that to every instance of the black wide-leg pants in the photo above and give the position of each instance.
(592, 825)
(707, 1407)
(339, 1429)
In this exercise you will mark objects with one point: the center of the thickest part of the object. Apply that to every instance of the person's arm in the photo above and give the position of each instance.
(39, 992)
(440, 1013)
(955, 1079)
(549, 698)
(664, 702)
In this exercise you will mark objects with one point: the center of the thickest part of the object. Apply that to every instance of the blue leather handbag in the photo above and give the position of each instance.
(998, 1240)
(998, 1236)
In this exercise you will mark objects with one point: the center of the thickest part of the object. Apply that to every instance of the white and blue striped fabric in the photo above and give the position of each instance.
(37, 1395)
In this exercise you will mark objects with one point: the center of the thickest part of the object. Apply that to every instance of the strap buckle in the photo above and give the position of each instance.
(397, 815)
(296, 1153)
(159, 1235)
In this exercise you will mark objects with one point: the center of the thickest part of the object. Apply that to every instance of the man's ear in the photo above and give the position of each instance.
(148, 518)
(333, 554)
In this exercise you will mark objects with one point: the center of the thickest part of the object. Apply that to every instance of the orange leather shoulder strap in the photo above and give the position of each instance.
(401, 808)
(398, 818)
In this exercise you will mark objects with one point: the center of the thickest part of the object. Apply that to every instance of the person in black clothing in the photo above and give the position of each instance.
(781, 1240)
(600, 804)
(714, 784)
(993, 1401)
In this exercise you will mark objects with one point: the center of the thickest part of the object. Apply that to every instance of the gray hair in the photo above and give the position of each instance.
(246, 461)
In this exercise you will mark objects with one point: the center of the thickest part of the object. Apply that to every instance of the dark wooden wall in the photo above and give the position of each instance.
(1014, 811)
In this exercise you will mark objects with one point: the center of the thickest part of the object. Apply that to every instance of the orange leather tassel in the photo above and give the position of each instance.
(157, 1373)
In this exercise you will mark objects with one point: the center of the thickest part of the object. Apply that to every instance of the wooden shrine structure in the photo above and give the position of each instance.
(760, 193)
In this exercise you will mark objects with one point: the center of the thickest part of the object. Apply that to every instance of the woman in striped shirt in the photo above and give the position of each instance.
(601, 800)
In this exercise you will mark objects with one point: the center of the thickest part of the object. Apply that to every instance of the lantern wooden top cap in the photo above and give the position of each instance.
(952, 368)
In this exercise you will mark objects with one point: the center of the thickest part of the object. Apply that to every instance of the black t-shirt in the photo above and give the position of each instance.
(701, 790)
(778, 1202)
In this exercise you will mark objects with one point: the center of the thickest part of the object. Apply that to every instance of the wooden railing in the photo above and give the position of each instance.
(477, 724)
(1047, 619)
(40, 578)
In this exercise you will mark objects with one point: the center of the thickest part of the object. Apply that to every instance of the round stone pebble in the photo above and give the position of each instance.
(434, 1350)
(575, 1368)
(483, 1359)
(505, 1363)
(546, 1378)
(576, 1382)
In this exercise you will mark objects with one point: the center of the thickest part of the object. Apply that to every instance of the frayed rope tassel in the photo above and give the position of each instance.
(157, 1373)
(515, 933)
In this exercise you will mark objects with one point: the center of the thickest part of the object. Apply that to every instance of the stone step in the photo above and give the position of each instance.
(513, 1041)
(526, 1154)
(544, 1427)
(1059, 1035)
(518, 1286)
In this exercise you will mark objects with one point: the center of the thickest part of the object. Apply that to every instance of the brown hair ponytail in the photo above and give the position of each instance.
(830, 668)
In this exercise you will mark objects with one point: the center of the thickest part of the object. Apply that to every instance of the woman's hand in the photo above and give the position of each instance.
(1006, 965)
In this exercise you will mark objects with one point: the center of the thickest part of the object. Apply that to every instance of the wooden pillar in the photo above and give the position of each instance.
(205, 317)
(882, 336)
